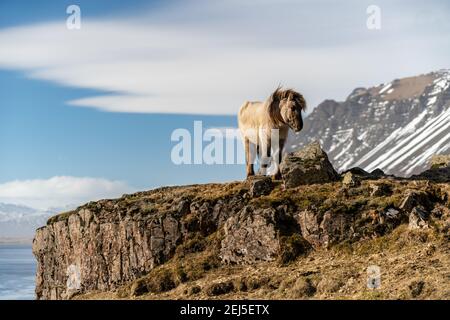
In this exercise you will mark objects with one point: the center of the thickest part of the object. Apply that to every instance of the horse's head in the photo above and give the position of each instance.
(286, 106)
(291, 113)
(290, 106)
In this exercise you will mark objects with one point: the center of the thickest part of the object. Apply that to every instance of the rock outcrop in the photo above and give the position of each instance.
(351, 180)
(253, 235)
(151, 242)
(439, 174)
(307, 166)
(260, 185)
(380, 189)
(440, 161)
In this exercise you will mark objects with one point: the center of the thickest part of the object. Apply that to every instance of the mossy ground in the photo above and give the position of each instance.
(405, 258)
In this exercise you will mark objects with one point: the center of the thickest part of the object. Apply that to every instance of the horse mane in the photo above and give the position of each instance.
(279, 94)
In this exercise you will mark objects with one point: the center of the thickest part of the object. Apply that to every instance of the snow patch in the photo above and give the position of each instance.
(385, 88)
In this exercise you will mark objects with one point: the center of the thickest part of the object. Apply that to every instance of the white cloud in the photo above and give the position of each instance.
(208, 57)
(60, 191)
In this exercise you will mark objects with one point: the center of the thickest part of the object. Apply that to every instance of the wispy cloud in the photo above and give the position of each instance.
(60, 191)
(207, 57)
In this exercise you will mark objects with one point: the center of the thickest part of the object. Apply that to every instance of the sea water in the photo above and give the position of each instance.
(17, 272)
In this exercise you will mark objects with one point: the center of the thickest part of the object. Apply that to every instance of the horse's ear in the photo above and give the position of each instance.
(276, 94)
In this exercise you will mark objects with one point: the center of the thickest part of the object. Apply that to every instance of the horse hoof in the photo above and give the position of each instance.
(276, 176)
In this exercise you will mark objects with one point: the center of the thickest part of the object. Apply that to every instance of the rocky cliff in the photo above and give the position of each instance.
(296, 238)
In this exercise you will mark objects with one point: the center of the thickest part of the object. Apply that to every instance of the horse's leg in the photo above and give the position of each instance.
(277, 175)
(249, 158)
(265, 156)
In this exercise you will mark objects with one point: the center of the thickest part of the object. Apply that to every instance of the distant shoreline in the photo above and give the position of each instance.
(7, 240)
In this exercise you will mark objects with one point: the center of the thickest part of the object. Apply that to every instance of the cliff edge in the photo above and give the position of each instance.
(298, 238)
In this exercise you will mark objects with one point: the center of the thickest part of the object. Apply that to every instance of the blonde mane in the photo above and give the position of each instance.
(273, 103)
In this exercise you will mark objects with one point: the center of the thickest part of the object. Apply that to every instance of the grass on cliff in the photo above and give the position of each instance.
(161, 199)
(413, 264)
(60, 217)
(333, 197)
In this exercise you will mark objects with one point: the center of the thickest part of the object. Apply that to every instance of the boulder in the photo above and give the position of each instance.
(439, 170)
(323, 230)
(387, 220)
(309, 165)
(357, 171)
(414, 198)
(380, 190)
(309, 222)
(195, 289)
(440, 161)
(256, 234)
(335, 227)
(250, 236)
(303, 287)
(377, 173)
(441, 175)
(418, 218)
(260, 185)
(392, 213)
(351, 180)
(416, 288)
(216, 289)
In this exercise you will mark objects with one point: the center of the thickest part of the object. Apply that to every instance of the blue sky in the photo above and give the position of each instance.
(42, 137)
(94, 109)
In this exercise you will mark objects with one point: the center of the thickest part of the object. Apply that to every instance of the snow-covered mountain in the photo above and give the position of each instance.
(396, 126)
(17, 221)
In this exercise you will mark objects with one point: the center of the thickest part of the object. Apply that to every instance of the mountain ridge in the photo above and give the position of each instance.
(395, 126)
(19, 222)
